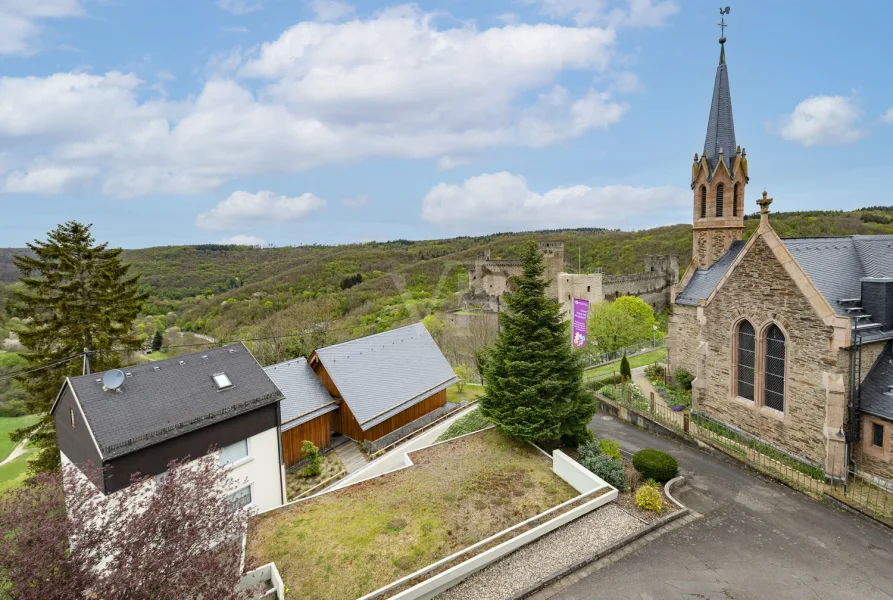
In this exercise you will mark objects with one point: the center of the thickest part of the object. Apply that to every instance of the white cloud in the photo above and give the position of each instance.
(330, 10)
(244, 208)
(394, 85)
(355, 201)
(887, 117)
(504, 200)
(48, 179)
(823, 120)
(244, 240)
(240, 7)
(20, 21)
(628, 13)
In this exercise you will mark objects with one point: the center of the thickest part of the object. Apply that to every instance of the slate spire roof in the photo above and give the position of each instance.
(721, 125)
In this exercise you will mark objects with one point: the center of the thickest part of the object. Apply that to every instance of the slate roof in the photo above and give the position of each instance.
(166, 399)
(836, 265)
(704, 280)
(721, 125)
(875, 397)
(305, 396)
(384, 374)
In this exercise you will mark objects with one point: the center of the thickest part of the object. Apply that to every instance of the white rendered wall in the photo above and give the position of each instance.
(261, 470)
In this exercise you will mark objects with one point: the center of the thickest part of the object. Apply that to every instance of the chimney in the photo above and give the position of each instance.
(877, 300)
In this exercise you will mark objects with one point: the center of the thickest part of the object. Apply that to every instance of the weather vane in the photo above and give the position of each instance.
(722, 22)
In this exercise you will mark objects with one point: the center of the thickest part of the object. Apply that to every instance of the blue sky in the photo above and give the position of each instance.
(322, 121)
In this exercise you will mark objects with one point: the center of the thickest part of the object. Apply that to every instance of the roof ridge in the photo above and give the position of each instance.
(150, 366)
(366, 337)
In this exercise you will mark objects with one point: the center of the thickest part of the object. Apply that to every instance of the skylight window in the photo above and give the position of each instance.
(222, 381)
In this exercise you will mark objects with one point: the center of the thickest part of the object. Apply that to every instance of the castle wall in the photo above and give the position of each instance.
(573, 285)
(652, 287)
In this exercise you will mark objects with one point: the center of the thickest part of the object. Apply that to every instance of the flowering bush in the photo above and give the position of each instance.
(648, 498)
(611, 448)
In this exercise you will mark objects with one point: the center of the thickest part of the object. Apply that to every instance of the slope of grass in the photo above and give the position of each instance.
(14, 473)
(639, 360)
(473, 421)
(9, 424)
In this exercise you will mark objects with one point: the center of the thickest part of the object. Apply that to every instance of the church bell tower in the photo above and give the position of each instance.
(718, 177)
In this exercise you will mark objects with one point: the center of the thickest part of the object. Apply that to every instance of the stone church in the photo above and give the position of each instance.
(789, 339)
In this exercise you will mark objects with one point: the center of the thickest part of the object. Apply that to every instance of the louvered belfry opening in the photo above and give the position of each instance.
(719, 200)
(746, 360)
(775, 357)
(703, 202)
(735, 200)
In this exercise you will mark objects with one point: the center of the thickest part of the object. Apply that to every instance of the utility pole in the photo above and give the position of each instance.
(498, 326)
(86, 361)
(579, 259)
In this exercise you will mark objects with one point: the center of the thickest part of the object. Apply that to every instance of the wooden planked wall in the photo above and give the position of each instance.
(315, 430)
(352, 429)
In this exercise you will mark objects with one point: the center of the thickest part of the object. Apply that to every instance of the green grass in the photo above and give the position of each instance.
(348, 543)
(469, 393)
(14, 473)
(9, 424)
(473, 421)
(639, 360)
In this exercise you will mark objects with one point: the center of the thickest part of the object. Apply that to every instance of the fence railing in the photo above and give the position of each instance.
(594, 359)
(847, 485)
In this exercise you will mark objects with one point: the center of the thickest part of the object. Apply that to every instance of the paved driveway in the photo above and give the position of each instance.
(757, 540)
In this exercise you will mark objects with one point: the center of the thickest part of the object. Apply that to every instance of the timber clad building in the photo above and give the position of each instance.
(363, 389)
(789, 339)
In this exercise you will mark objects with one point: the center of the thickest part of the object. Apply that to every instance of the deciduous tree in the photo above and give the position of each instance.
(76, 295)
(615, 325)
(533, 383)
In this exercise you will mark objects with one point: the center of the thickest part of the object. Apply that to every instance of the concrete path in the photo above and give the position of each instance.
(351, 457)
(394, 458)
(16, 452)
(758, 540)
(663, 409)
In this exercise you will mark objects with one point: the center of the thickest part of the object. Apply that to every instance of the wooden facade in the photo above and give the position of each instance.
(315, 430)
(344, 423)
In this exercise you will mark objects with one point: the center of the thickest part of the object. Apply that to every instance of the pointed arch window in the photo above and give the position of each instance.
(746, 360)
(703, 202)
(735, 200)
(719, 194)
(775, 345)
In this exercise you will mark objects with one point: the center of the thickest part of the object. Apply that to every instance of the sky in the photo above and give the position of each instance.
(291, 122)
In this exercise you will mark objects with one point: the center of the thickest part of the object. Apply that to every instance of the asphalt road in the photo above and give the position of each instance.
(757, 540)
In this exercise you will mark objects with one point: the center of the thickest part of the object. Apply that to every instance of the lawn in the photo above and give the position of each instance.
(9, 424)
(473, 421)
(468, 394)
(638, 360)
(13, 474)
(348, 543)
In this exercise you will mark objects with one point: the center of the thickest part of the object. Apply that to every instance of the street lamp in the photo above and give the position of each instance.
(654, 336)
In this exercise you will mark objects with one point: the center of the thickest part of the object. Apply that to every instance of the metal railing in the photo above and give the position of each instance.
(595, 359)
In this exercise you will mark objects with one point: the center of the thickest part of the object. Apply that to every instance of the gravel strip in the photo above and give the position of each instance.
(560, 549)
(397, 434)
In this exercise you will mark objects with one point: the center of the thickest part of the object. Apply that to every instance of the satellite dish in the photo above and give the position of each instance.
(113, 379)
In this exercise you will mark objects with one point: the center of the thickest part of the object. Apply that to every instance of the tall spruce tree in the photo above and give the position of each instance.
(75, 295)
(533, 380)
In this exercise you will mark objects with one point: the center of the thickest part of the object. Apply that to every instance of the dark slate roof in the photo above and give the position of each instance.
(384, 374)
(876, 399)
(305, 396)
(721, 126)
(836, 265)
(168, 398)
(704, 280)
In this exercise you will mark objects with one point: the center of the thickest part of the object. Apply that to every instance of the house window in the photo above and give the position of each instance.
(71, 412)
(703, 202)
(719, 195)
(877, 434)
(234, 453)
(240, 498)
(222, 381)
(775, 357)
(746, 360)
(735, 200)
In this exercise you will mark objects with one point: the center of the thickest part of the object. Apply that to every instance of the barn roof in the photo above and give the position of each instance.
(168, 398)
(305, 396)
(384, 374)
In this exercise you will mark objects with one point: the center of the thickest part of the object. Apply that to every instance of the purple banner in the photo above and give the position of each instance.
(581, 312)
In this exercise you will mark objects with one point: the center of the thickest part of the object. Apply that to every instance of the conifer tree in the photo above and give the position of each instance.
(625, 372)
(533, 380)
(75, 295)
(157, 341)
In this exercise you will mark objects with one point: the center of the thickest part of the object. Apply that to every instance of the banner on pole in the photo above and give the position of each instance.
(581, 312)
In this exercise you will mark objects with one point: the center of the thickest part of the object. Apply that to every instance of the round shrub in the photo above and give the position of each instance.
(654, 464)
(683, 378)
(610, 447)
(609, 469)
(648, 498)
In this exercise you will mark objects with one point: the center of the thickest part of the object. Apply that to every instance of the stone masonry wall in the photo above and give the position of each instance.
(652, 287)
(872, 460)
(684, 338)
(763, 292)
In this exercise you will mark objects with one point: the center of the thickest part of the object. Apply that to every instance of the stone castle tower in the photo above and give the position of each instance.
(718, 178)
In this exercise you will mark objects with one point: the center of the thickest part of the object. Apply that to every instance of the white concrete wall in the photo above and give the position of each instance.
(580, 478)
(262, 470)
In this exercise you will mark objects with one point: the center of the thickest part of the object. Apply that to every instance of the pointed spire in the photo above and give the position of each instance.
(721, 125)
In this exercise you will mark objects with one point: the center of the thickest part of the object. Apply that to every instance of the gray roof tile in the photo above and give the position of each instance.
(166, 399)
(383, 374)
(721, 125)
(875, 397)
(305, 396)
(704, 280)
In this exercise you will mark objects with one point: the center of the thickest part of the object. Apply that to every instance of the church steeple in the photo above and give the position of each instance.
(718, 175)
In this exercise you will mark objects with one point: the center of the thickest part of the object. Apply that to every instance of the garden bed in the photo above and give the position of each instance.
(355, 540)
(296, 485)
(626, 499)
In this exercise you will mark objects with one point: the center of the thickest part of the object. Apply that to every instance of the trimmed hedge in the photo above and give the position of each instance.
(654, 464)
